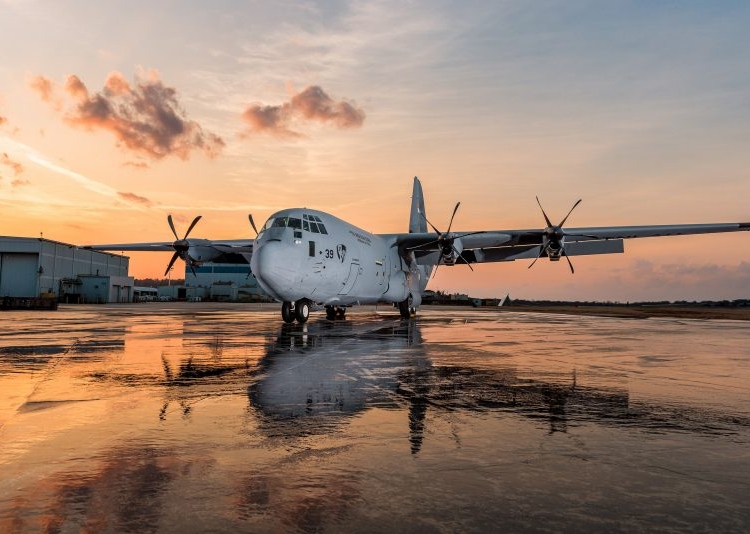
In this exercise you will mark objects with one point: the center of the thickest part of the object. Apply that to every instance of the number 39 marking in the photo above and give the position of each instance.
(329, 253)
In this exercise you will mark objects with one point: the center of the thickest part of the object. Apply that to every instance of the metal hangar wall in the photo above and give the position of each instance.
(31, 267)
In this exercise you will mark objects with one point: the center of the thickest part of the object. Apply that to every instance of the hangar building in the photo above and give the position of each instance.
(224, 281)
(218, 281)
(32, 267)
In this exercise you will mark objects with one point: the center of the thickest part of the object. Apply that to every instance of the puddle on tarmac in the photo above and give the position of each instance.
(206, 417)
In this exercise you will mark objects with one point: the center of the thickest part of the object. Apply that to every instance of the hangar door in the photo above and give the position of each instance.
(18, 273)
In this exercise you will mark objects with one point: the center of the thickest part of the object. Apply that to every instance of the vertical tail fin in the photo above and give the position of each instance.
(418, 217)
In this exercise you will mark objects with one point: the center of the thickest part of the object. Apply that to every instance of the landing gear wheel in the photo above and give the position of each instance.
(330, 313)
(341, 312)
(405, 308)
(302, 311)
(287, 313)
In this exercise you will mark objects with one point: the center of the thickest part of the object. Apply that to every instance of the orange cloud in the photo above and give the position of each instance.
(44, 87)
(3, 120)
(17, 167)
(132, 197)
(146, 118)
(312, 104)
(19, 182)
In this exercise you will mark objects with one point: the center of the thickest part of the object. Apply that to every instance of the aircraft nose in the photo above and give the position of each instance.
(273, 270)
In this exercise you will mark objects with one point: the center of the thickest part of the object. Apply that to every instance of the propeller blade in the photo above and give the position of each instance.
(192, 224)
(192, 269)
(252, 222)
(171, 225)
(454, 214)
(572, 271)
(541, 251)
(461, 257)
(428, 222)
(571, 211)
(549, 223)
(423, 245)
(171, 262)
(471, 233)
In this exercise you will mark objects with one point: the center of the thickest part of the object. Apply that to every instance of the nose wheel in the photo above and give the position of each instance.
(299, 311)
(406, 308)
(287, 312)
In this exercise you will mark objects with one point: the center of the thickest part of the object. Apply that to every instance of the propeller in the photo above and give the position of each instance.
(252, 223)
(181, 246)
(445, 240)
(553, 243)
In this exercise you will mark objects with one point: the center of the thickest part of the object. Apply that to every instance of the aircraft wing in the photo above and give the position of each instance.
(237, 246)
(149, 247)
(485, 246)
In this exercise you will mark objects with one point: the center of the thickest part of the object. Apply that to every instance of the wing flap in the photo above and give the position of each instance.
(523, 252)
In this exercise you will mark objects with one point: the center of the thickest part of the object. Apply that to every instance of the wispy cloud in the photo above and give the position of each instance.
(312, 104)
(146, 118)
(34, 156)
(17, 167)
(132, 197)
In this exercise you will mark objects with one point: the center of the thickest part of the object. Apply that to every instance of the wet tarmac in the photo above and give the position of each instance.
(199, 417)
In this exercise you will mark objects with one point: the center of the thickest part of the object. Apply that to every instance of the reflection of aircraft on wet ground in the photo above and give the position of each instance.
(314, 377)
(306, 258)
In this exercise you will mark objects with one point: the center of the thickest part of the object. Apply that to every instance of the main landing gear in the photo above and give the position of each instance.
(335, 312)
(299, 311)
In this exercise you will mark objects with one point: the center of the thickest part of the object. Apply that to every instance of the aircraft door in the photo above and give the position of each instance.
(381, 272)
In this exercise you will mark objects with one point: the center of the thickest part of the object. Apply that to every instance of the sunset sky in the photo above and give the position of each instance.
(115, 114)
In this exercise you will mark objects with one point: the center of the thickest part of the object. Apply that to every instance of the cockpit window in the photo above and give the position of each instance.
(283, 222)
(315, 224)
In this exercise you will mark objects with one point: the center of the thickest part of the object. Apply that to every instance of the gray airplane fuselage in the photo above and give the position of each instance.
(308, 254)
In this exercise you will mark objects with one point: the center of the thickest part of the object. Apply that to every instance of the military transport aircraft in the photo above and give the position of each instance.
(308, 259)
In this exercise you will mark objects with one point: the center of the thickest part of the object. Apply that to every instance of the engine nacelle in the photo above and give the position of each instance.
(555, 249)
(451, 251)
